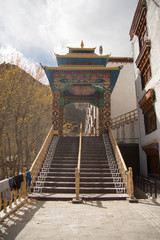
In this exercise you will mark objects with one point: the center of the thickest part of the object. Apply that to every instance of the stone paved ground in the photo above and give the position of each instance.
(96, 220)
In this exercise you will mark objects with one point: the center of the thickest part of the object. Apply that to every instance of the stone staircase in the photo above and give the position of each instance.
(99, 176)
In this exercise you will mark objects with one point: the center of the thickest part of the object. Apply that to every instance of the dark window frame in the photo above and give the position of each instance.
(150, 121)
(143, 36)
(146, 74)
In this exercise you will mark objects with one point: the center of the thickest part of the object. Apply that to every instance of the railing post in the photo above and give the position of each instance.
(77, 183)
(130, 182)
(10, 202)
(5, 205)
(155, 189)
(77, 170)
(15, 197)
(23, 185)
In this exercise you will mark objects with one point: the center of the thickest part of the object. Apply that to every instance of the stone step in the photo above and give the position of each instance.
(82, 184)
(96, 146)
(64, 155)
(83, 170)
(92, 141)
(68, 143)
(82, 179)
(100, 175)
(59, 178)
(74, 165)
(104, 190)
(63, 165)
(70, 196)
(66, 152)
(94, 165)
(97, 179)
(94, 156)
(66, 158)
(97, 159)
(65, 161)
(75, 158)
(88, 175)
(58, 174)
(94, 152)
(70, 161)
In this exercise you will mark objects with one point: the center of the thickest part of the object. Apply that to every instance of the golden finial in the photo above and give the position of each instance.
(100, 50)
(82, 44)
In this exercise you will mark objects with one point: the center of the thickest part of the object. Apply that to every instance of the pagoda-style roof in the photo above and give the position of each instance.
(82, 75)
(66, 67)
(112, 71)
(81, 58)
(82, 55)
(81, 50)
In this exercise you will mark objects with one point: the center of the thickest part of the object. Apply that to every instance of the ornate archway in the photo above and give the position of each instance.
(82, 76)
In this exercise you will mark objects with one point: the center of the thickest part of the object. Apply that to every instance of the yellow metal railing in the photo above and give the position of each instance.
(124, 119)
(127, 174)
(35, 168)
(17, 198)
(77, 170)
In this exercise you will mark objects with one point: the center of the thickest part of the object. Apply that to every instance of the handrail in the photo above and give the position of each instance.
(35, 168)
(80, 147)
(127, 174)
(77, 170)
(124, 119)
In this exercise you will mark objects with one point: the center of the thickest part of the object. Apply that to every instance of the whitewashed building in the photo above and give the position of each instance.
(145, 39)
(123, 105)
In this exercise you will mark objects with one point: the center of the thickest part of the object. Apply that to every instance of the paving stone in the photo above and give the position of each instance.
(91, 220)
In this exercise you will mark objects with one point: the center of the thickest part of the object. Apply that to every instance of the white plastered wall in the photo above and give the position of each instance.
(153, 23)
(123, 98)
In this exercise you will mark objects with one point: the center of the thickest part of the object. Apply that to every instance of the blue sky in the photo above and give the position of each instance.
(38, 28)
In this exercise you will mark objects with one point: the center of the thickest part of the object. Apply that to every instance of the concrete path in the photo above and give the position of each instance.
(94, 220)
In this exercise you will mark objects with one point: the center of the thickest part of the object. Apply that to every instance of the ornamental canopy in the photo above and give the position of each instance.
(82, 76)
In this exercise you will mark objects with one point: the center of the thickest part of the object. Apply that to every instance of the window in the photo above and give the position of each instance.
(150, 120)
(153, 165)
(143, 36)
(146, 74)
(152, 154)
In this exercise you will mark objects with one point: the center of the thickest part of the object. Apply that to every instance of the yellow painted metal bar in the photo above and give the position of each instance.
(15, 197)
(10, 202)
(5, 205)
(35, 168)
(80, 148)
(127, 174)
(77, 170)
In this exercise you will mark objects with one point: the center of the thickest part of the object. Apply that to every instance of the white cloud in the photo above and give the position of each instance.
(37, 28)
